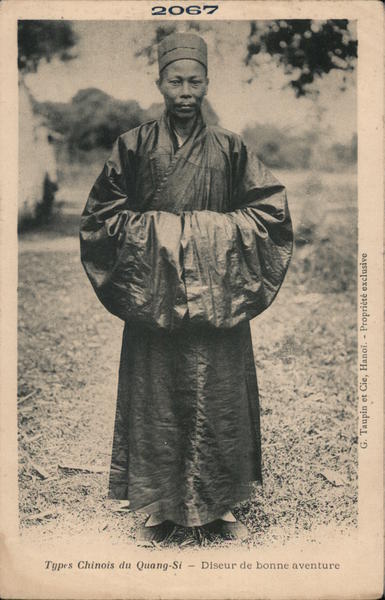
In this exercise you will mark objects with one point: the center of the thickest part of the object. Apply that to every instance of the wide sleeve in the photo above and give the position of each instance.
(235, 262)
(131, 258)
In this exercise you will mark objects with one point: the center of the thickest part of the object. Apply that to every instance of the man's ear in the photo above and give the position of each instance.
(158, 82)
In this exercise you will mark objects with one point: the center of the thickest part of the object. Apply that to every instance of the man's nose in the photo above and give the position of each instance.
(186, 89)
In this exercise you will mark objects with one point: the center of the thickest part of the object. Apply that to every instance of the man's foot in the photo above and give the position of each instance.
(157, 532)
(153, 519)
(228, 529)
(228, 516)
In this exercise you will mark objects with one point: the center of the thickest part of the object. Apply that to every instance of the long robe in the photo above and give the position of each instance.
(186, 245)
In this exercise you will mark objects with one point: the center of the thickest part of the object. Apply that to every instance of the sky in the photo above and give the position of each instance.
(106, 60)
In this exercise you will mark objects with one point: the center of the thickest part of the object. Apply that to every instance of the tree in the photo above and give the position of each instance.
(306, 49)
(38, 40)
(97, 119)
(277, 148)
(94, 119)
(165, 29)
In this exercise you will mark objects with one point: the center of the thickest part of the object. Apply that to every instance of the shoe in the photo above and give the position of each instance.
(228, 530)
(155, 533)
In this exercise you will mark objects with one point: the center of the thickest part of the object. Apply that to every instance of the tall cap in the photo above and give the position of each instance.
(179, 46)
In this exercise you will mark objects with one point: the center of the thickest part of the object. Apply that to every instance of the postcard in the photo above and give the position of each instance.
(192, 299)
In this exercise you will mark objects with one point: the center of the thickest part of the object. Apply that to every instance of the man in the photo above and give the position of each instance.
(186, 237)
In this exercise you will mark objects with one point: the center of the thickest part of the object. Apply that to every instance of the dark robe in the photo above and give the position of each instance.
(186, 246)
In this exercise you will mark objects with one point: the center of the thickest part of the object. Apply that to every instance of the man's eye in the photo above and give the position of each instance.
(174, 82)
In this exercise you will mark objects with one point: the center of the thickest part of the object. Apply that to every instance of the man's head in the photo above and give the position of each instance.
(183, 74)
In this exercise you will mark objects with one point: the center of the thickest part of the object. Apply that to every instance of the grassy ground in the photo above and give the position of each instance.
(305, 349)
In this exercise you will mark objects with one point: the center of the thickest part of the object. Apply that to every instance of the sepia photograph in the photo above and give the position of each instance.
(192, 299)
(186, 236)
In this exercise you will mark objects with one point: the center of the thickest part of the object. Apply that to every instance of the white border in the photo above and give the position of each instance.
(362, 574)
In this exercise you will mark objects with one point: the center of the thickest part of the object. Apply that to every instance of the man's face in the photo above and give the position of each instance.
(183, 84)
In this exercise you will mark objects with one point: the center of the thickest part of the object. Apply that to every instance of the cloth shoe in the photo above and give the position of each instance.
(227, 529)
(155, 533)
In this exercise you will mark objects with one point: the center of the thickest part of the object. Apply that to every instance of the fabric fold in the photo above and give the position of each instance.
(212, 266)
(235, 262)
(186, 246)
(132, 258)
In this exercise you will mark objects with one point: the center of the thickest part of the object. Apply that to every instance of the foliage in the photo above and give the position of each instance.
(93, 119)
(43, 212)
(306, 48)
(281, 150)
(325, 232)
(166, 28)
(277, 148)
(38, 40)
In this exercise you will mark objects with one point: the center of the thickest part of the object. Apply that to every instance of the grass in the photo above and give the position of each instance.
(305, 350)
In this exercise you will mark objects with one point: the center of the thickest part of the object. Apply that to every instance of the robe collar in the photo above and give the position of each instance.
(167, 137)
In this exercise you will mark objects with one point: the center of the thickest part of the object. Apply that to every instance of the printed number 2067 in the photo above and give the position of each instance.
(157, 11)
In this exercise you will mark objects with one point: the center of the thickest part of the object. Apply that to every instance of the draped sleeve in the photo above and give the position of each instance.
(132, 258)
(160, 268)
(235, 262)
